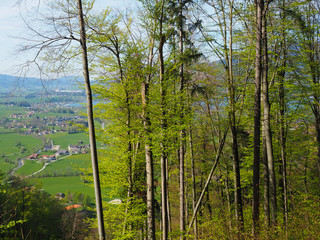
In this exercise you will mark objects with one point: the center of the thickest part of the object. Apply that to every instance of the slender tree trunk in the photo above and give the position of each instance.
(182, 130)
(94, 155)
(195, 229)
(163, 160)
(282, 139)
(283, 142)
(266, 202)
(149, 163)
(129, 152)
(148, 151)
(232, 117)
(266, 121)
(228, 199)
(259, 4)
(283, 153)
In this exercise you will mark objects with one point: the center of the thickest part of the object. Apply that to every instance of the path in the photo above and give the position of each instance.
(46, 164)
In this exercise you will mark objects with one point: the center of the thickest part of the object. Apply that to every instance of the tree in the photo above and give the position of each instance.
(259, 6)
(59, 41)
(93, 145)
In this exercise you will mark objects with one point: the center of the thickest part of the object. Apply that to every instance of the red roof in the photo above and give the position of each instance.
(73, 206)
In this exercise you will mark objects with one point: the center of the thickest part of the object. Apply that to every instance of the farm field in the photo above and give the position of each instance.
(5, 111)
(73, 184)
(9, 143)
(64, 139)
(29, 167)
(12, 145)
(69, 165)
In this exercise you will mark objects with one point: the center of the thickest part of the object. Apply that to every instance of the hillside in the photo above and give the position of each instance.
(11, 83)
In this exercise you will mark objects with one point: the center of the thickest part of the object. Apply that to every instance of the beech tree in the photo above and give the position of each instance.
(60, 39)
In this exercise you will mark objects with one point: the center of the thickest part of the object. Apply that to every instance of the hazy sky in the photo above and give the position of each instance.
(11, 26)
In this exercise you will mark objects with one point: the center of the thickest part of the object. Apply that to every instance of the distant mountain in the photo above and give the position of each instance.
(10, 83)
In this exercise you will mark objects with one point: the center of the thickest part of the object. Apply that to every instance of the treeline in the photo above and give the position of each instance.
(18, 104)
(65, 172)
(211, 113)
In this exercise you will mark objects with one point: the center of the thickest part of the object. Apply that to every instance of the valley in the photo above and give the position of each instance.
(42, 135)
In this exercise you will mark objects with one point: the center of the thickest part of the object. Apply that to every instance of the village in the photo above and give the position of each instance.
(72, 149)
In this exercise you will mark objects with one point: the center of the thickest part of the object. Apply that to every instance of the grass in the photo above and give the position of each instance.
(64, 139)
(8, 143)
(54, 185)
(29, 167)
(6, 111)
(5, 167)
(9, 149)
(69, 165)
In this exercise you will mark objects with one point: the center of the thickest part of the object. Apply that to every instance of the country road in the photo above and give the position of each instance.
(21, 163)
(46, 164)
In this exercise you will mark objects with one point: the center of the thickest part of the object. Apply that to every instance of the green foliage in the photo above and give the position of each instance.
(28, 211)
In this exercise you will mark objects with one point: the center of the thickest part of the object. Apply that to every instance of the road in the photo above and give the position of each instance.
(46, 164)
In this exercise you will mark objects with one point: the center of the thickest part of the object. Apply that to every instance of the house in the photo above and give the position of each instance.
(47, 148)
(33, 156)
(55, 147)
(61, 152)
(45, 157)
(52, 157)
(74, 149)
(59, 196)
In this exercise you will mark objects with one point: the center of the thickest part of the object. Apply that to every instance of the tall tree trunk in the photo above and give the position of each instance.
(283, 150)
(228, 199)
(130, 172)
(266, 120)
(163, 160)
(193, 177)
(94, 155)
(149, 163)
(182, 130)
(148, 151)
(259, 5)
(266, 202)
(232, 119)
(281, 76)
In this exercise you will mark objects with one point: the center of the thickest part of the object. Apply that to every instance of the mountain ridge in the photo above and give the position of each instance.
(9, 82)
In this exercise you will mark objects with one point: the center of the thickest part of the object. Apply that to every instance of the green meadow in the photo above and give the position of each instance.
(14, 146)
(65, 139)
(11, 143)
(73, 184)
(29, 167)
(6, 111)
(67, 166)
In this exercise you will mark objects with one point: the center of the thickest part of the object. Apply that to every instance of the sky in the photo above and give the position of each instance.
(12, 26)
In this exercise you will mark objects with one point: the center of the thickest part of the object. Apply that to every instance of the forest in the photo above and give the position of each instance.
(211, 112)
